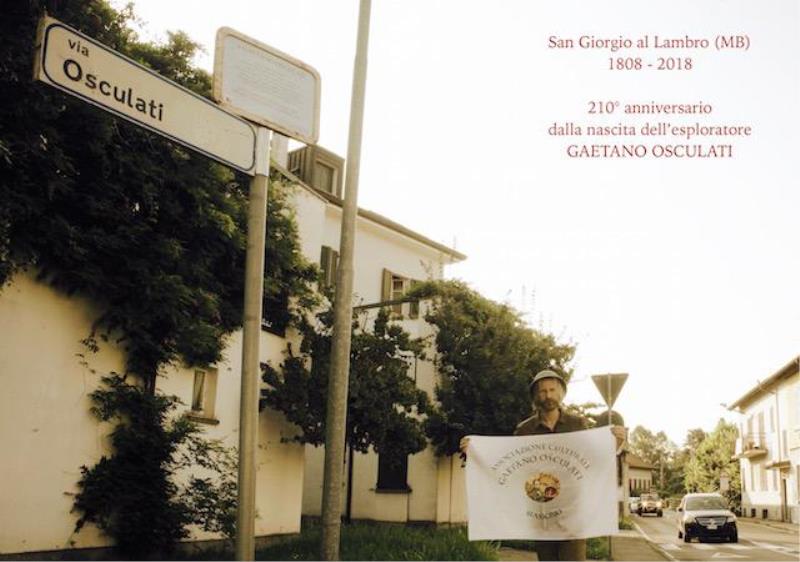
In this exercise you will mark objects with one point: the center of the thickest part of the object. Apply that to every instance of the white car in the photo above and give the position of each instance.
(706, 516)
(650, 503)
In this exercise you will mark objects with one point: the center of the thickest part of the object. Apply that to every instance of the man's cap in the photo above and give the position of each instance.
(547, 374)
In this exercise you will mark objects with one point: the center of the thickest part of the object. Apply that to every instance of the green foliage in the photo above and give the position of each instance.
(133, 495)
(626, 523)
(595, 413)
(714, 457)
(486, 358)
(101, 207)
(155, 236)
(383, 402)
(597, 548)
(365, 541)
(659, 451)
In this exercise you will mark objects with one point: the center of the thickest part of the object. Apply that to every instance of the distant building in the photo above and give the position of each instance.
(640, 475)
(768, 447)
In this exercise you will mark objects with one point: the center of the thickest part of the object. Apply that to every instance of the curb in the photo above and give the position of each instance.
(780, 526)
(653, 545)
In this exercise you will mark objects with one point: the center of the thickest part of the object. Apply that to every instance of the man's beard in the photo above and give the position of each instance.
(547, 405)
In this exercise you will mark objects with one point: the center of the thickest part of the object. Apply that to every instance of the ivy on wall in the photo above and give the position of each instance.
(153, 234)
(103, 208)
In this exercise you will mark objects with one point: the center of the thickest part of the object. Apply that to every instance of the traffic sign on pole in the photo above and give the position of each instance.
(610, 386)
(83, 67)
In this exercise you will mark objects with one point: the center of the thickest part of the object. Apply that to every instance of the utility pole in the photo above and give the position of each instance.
(336, 417)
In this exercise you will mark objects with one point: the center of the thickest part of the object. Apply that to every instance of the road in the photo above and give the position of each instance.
(756, 541)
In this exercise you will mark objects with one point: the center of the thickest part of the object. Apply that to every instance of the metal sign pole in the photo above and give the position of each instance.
(251, 339)
(336, 415)
(608, 391)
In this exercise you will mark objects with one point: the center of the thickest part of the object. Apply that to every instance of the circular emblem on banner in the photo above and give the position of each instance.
(542, 487)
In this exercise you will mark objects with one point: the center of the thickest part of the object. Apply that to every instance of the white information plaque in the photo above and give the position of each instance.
(266, 86)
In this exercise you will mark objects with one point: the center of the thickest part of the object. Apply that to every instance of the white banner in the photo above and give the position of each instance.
(550, 487)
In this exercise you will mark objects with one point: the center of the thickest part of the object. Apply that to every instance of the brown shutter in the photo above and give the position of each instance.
(324, 265)
(386, 287)
(413, 311)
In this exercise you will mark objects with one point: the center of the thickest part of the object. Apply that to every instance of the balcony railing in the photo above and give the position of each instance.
(752, 445)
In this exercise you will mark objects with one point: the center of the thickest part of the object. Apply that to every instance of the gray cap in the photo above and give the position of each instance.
(547, 374)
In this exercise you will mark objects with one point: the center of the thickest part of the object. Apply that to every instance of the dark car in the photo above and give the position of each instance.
(706, 516)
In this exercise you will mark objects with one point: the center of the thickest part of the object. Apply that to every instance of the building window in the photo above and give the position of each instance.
(325, 177)
(328, 263)
(318, 168)
(204, 391)
(762, 483)
(198, 391)
(393, 473)
(394, 288)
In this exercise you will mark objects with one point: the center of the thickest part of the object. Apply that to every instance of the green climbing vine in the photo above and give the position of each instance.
(154, 235)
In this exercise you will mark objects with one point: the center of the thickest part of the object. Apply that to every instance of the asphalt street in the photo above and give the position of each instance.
(756, 541)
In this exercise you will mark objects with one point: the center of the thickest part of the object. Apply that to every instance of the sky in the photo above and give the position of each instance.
(684, 273)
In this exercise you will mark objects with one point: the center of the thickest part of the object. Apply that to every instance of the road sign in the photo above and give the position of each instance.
(87, 69)
(609, 386)
(266, 86)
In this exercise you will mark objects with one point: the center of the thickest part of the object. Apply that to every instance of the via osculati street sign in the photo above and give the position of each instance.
(610, 386)
(266, 86)
(89, 70)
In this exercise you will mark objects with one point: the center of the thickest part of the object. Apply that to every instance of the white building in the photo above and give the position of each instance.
(47, 432)
(640, 475)
(389, 260)
(769, 446)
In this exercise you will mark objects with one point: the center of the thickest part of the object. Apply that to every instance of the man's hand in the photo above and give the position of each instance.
(463, 444)
(621, 433)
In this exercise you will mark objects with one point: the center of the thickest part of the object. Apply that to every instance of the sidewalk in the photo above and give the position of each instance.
(631, 545)
(627, 545)
(788, 527)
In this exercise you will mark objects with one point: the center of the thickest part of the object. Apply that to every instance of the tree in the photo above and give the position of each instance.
(133, 495)
(383, 403)
(486, 357)
(713, 458)
(657, 450)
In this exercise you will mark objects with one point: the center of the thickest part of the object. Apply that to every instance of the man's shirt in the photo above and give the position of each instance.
(534, 425)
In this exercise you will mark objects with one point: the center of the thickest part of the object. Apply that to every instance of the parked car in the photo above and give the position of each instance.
(650, 503)
(633, 504)
(706, 516)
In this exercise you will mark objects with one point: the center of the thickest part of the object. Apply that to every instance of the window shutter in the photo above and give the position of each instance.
(334, 265)
(324, 263)
(386, 287)
(413, 311)
(328, 262)
(392, 472)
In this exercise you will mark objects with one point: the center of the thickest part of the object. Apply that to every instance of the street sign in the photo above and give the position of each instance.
(87, 69)
(266, 86)
(724, 483)
(609, 386)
